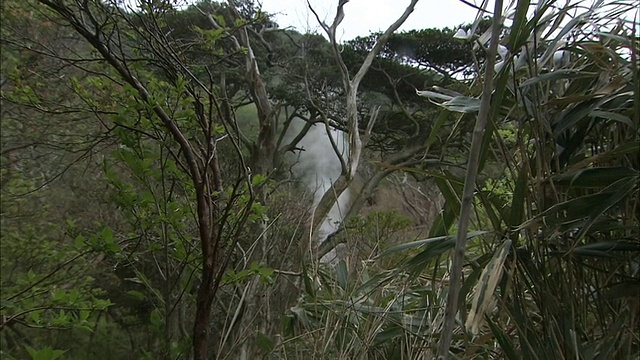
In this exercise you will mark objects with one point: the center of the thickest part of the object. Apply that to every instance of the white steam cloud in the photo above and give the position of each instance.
(318, 166)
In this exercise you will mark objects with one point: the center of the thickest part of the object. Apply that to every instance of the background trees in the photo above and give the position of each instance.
(153, 203)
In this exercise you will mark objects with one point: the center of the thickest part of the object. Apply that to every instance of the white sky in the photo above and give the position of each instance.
(365, 16)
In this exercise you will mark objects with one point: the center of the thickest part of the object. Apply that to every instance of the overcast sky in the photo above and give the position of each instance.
(365, 16)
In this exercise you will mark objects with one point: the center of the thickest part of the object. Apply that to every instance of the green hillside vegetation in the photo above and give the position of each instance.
(168, 188)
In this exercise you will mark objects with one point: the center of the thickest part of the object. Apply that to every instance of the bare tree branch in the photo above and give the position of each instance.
(351, 89)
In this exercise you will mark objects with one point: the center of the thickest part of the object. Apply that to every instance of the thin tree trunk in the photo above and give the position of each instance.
(350, 167)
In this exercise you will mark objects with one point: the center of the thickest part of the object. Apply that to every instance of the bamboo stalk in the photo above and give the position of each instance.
(469, 188)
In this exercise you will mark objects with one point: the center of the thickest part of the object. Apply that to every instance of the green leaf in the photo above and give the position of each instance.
(136, 294)
(609, 115)
(31, 276)
(58, 295)
(342, 274)
(427, 242)
(36, 316)
(388, 335)
(156, 319)
(430, 249)
(107, 235)
(605, 248)
(431, 95)
(516, 215)
(576, 114)
(79, 242)
(444, 221)
(594, 177)
(587, 207)
(220, 20)
(377, 281)
(491, 207)
(521, 27)
(265, 343)
(504, 340)
(433, 135)
(47, 353)
(258, 179)
(451, 190)
(622, 189)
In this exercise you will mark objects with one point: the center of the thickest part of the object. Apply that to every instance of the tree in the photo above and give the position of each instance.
(181, 113)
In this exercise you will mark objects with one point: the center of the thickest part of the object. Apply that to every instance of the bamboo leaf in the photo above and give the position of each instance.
(520, 29)
(504, 341)
(388, 335)
(450, 190)
(433, 135)
(606, 248)
(572, 116)
(342, 274)
(483, 299)
(588, 207)
(492, 214)
(443, 222)
(463, 104)
(427, 242)
(594, 177)
(377, 281)
(431, 251)
(609, 115)
(623, 188)
(558, 75)
(433, 95)
(516, 214)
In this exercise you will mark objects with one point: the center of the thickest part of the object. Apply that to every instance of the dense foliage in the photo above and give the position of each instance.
(196, 182)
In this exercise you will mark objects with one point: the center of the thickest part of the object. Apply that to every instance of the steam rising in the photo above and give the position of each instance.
(317, 167)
